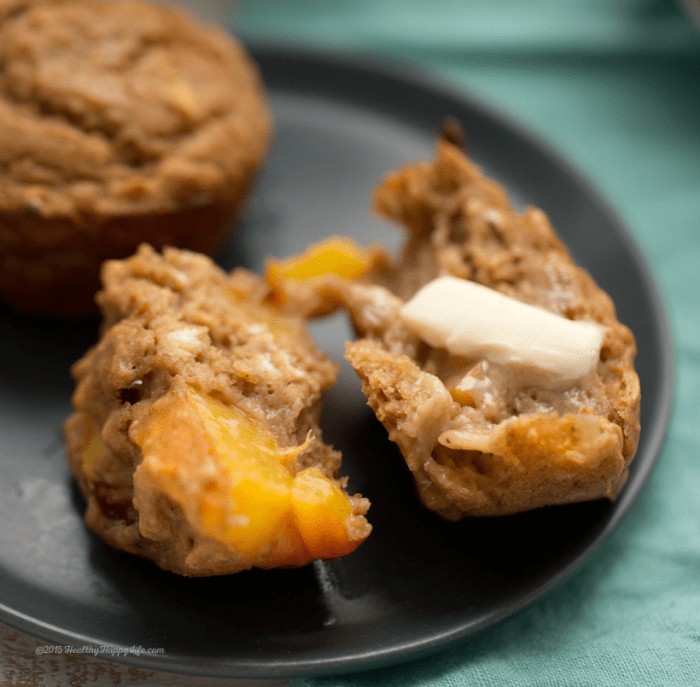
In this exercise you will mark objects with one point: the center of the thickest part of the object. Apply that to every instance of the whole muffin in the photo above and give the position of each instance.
(120, 122)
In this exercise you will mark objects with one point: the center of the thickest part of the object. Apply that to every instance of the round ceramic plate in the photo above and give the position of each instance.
(418, 584)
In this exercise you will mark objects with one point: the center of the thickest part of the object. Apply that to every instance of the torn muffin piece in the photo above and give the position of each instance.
(195, 438)
(485, 425)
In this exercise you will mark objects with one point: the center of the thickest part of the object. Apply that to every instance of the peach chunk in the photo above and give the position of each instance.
(321, 514)
(236, 484)
(309, 279)
(335, 255)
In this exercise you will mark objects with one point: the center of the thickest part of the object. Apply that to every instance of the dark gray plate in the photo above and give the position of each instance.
(418, 584)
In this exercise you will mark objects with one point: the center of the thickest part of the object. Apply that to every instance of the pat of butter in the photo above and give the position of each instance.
(469, 319)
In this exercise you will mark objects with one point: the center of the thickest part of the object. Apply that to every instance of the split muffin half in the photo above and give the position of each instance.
(195, 438)
(496, 364)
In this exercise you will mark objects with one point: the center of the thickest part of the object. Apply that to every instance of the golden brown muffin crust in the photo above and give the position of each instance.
(120, 122)
(122, 106)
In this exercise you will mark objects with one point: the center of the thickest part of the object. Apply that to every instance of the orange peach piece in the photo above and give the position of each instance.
(321, 512)
(335, 255)
(310, 280)
(235, 483)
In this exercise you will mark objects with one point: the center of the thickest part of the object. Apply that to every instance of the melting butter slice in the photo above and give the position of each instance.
(469, 319)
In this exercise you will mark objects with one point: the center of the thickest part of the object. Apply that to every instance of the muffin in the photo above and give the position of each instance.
(121, 122)
(195, 438)
(496, 364)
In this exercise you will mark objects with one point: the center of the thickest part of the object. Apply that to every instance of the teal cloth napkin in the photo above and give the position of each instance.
(614, 85)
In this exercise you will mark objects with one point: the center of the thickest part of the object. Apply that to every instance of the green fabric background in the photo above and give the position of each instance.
(614, 86)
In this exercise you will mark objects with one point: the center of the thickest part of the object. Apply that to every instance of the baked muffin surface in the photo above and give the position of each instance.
(197, 397)
(120, 122)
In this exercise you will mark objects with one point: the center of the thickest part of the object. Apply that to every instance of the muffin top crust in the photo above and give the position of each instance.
(122, 106)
